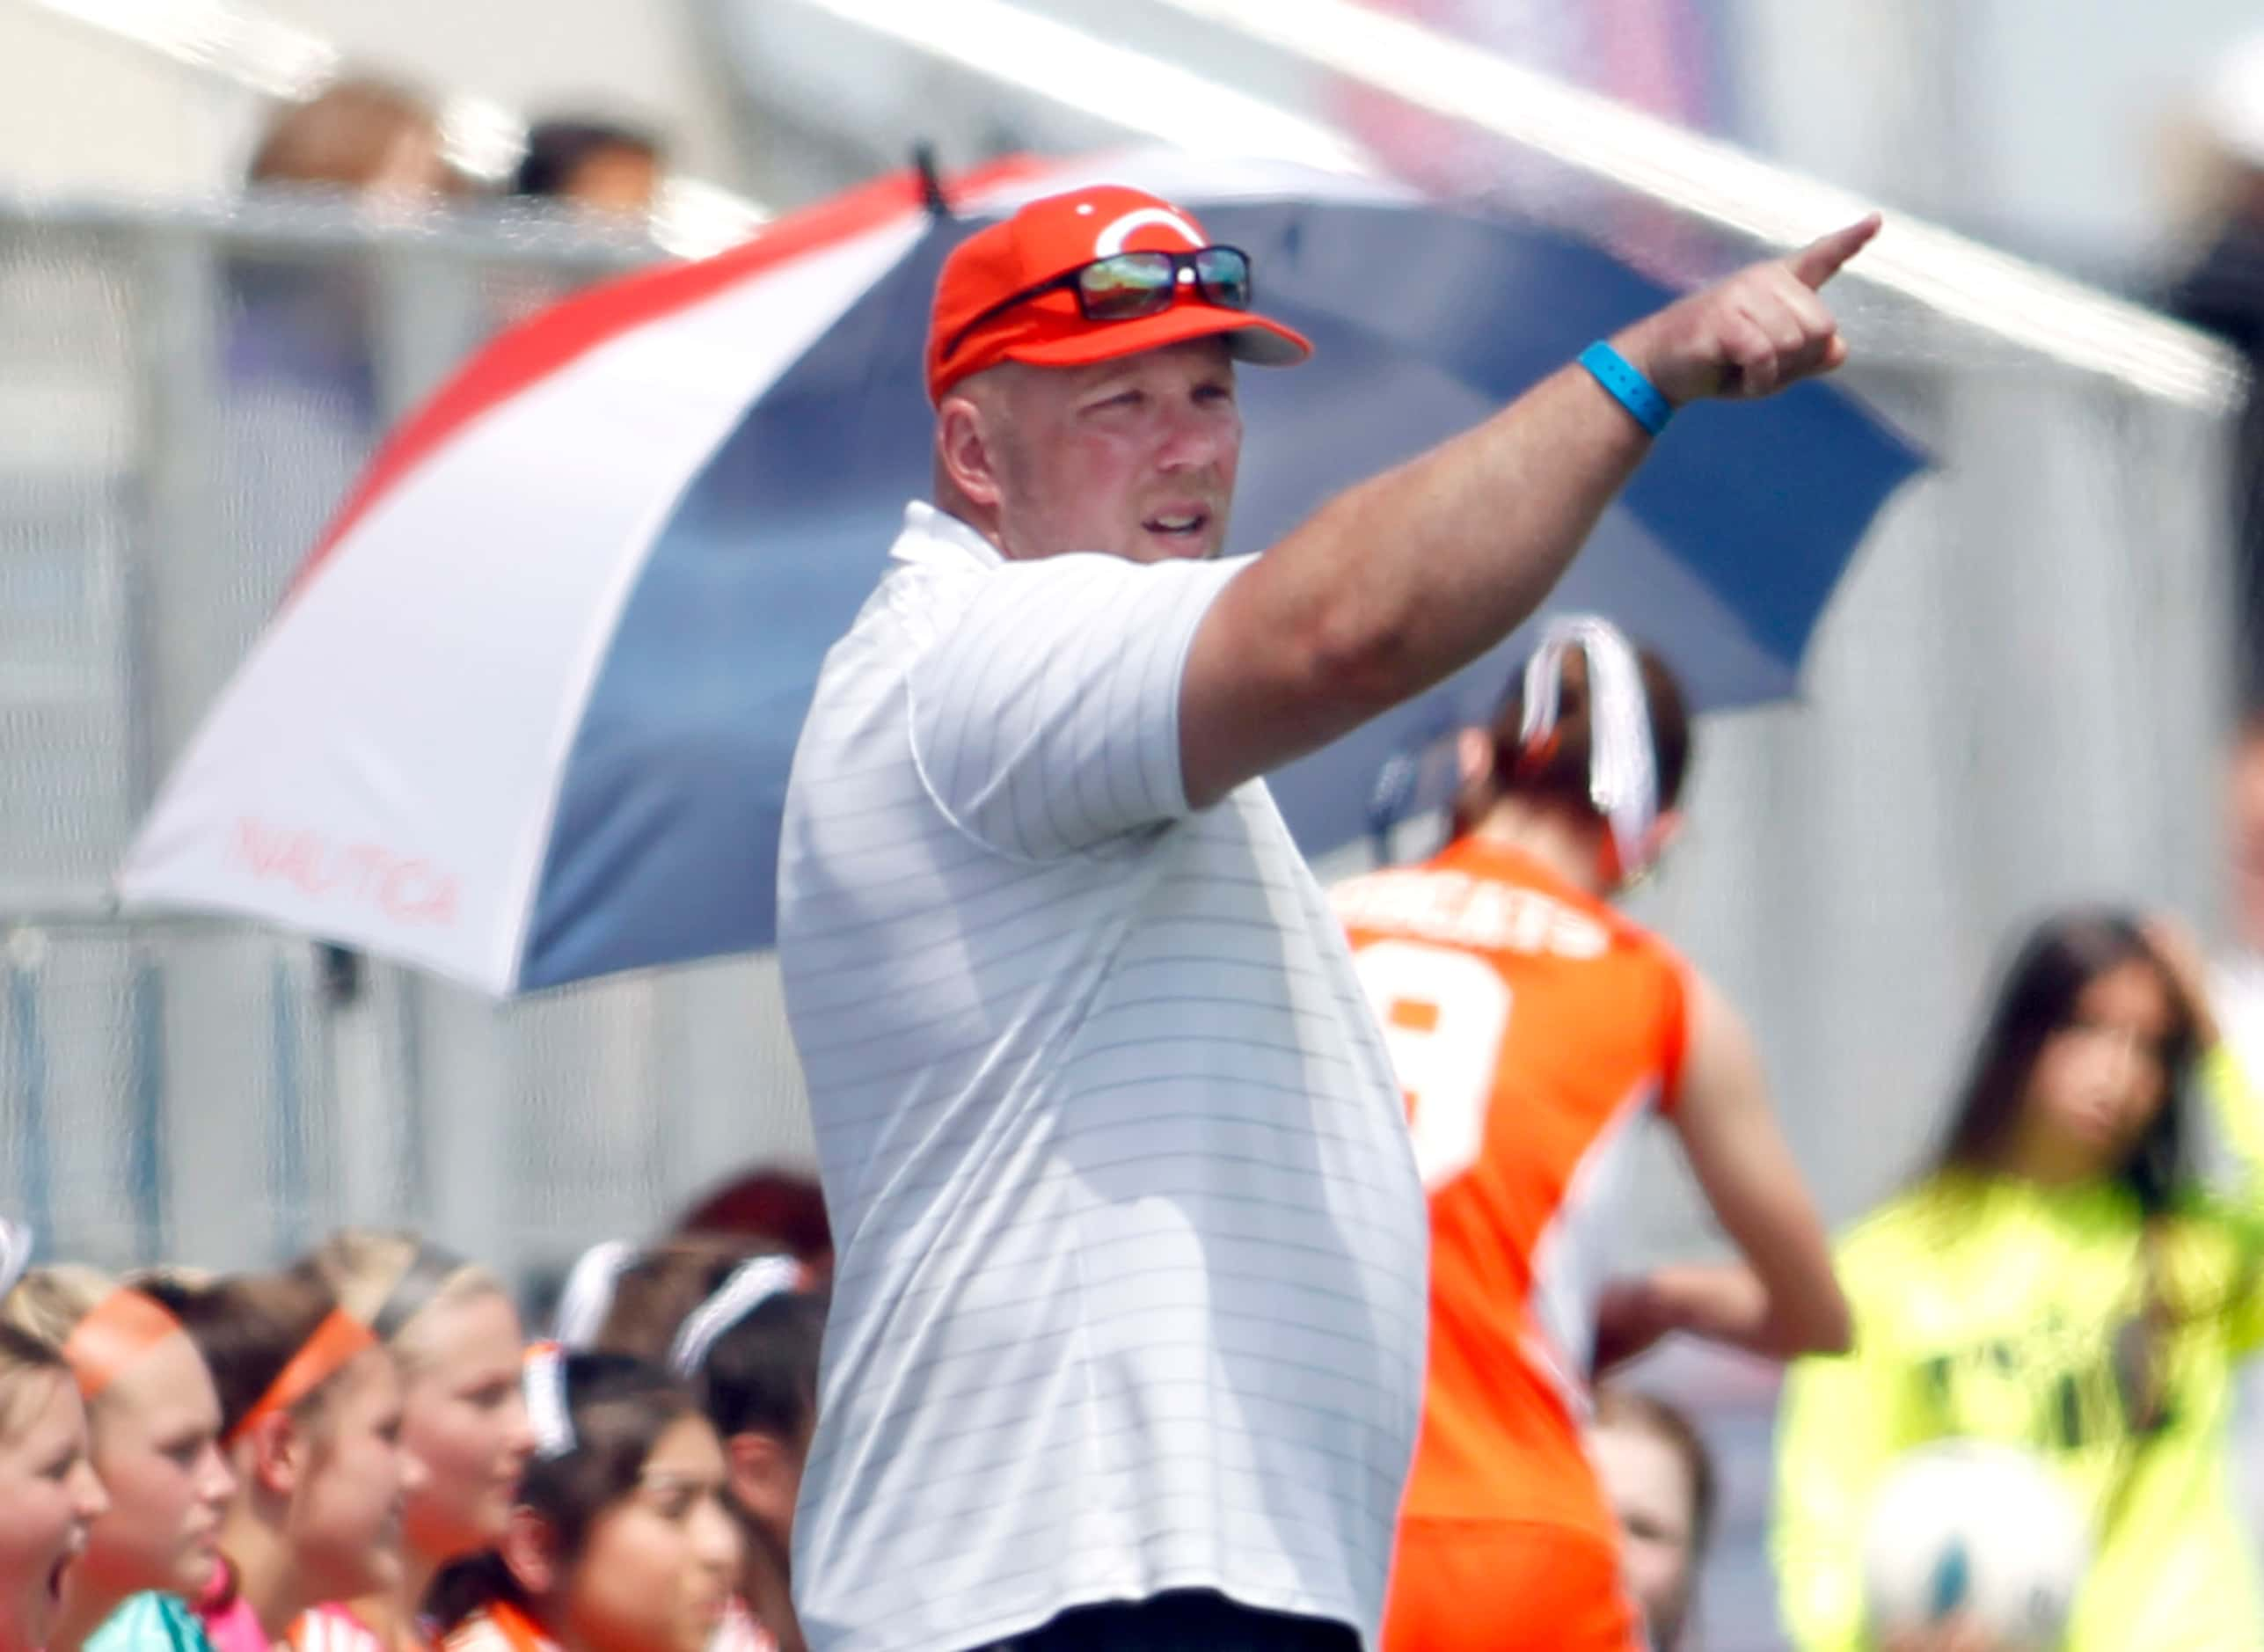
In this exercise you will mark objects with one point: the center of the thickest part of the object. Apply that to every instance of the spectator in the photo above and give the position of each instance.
(655, 1291)
(49, 1492)
(456, 1336)
(595, 165)
(311, 1413)
(303, 401)
(155, 1422)
(620, 1542)
(770, 1206)
(1659, 1478)
(2224, 292)
(583, 1300)
(366, 135)
(1537, 1030)
(2059, 1282)
(751, 1351)
(743, 1328)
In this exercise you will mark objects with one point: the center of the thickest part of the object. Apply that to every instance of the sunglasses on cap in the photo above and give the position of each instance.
(1125, 286)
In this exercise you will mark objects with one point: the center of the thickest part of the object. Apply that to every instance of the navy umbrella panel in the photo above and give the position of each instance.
(653, 836)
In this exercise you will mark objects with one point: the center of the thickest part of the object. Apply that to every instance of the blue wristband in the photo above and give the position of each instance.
(1629, 388)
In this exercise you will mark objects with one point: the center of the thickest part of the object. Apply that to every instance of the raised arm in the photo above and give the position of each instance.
(1400, 581)
(2228, 1086)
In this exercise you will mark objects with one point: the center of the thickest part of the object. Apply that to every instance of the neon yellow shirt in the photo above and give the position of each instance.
(1993, 1309)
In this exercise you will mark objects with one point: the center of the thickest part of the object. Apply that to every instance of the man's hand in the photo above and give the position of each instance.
(1753, 334)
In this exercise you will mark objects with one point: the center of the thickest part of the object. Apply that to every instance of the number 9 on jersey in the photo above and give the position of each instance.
(1444, 1015)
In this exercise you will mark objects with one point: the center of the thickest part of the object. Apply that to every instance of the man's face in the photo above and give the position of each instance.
(1135, 457)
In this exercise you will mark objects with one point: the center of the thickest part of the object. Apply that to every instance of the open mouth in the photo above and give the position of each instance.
(55, 1575)
(1177, 524)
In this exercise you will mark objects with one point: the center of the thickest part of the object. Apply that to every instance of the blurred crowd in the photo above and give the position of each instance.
(381, 142)
(363, 1452)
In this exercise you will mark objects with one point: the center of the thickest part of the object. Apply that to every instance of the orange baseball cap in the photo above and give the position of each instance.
(1049, 238)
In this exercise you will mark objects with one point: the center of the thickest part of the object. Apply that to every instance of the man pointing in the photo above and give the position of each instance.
(1127, 1333)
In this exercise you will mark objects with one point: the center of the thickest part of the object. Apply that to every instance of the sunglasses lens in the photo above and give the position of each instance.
(1128, 285)
(1224, 274)
(1133, 284)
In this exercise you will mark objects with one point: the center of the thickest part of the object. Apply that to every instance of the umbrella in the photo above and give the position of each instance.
(527, 714)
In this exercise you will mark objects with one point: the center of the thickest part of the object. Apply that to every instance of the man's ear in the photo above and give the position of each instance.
(530, 1552)
(968, 450)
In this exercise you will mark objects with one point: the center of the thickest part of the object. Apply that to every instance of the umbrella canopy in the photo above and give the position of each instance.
(528, 713)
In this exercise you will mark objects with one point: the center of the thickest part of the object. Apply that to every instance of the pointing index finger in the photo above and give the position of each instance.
(1820, 260)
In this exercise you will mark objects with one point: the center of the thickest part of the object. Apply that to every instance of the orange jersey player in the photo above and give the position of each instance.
(1535, 1030)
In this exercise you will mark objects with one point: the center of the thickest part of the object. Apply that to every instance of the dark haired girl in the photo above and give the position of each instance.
(741, 1325)
(620, 1541)
(2059, 1281)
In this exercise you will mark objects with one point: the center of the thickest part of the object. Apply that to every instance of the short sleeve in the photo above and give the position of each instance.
(1045, 717)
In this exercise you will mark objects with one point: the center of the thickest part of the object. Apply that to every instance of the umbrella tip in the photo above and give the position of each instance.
(932, 189)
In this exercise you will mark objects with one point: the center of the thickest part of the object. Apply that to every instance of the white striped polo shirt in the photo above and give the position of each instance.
(1130, 1291)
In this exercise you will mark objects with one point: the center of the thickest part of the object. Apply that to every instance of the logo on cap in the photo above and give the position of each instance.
(1111, 240)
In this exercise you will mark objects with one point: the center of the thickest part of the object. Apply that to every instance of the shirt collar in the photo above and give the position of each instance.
(935, 537)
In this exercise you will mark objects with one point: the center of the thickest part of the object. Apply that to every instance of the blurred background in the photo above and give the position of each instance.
(237, 240)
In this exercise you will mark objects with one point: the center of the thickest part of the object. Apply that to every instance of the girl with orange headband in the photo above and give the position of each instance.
(49, 1492)
(620, 1541)
(453, 1331)
(311, 1416)
(155, 1422)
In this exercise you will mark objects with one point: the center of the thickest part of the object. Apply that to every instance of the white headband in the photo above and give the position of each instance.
(589, 1294)
(1623, 780)
(15, 1254)
(750, 1285)
(543, 1380)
